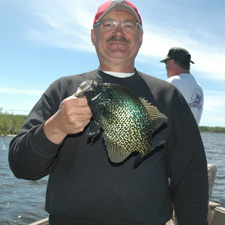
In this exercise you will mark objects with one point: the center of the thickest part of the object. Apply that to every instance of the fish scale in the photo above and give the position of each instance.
(128, 121)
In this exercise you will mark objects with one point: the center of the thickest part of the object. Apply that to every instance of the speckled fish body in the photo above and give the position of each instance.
(128, 121)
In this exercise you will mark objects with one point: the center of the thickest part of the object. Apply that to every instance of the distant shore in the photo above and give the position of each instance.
(205, 129)
(7, 135)
(202, 129)
(10, 125)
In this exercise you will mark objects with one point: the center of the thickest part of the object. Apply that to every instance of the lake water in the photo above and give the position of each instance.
(22, 202)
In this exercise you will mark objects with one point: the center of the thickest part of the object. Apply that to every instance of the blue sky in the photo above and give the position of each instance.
(43, 40)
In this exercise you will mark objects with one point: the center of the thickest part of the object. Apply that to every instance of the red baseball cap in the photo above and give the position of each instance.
(122, 5)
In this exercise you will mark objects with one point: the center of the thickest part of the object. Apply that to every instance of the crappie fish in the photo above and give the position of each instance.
(128, 121)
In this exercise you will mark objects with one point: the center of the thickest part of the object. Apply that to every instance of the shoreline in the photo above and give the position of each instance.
(202, 129)
(7, 135)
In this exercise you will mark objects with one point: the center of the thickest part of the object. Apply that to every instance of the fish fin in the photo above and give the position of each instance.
(159, 121)
(158, 118)
(156, 144)
(94, 128)
(137, 161)
(116, 153)
(145, 102)
(104, 102)
(99, 105)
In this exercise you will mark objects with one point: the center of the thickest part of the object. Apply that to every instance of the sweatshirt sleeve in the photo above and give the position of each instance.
(31, 154)
(187, 168)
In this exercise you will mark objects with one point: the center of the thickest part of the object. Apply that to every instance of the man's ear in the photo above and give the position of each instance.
(93, 38)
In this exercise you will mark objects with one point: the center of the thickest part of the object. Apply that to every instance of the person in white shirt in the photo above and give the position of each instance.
(178, 72)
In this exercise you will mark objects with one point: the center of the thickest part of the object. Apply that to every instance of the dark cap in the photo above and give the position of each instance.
(178, 53)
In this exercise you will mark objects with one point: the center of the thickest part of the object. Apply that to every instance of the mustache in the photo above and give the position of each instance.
(114, 38)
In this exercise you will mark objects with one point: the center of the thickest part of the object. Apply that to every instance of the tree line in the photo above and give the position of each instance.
(10, 124)
(206, 129)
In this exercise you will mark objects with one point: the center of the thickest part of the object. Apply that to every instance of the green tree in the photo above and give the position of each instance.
(9, 123)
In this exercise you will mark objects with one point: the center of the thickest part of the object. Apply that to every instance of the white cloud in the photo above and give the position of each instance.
(20, 91)
(208, 60)
(64, 24)
(67, 24)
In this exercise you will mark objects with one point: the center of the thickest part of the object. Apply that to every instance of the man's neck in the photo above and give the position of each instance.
(178, 72)
(117, 68)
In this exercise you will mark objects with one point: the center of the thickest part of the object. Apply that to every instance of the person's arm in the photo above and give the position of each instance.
(33, 151)
(187, 166)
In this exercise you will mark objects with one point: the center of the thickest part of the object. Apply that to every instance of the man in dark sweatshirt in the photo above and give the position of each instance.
(84, 187)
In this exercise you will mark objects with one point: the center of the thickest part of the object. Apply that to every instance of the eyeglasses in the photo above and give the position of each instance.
(111, 25)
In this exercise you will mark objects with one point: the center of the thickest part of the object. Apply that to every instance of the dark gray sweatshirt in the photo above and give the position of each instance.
(85, 188)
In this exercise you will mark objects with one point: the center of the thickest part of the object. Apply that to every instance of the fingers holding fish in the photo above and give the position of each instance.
(74, 114)
(72, 117)
(75, 107)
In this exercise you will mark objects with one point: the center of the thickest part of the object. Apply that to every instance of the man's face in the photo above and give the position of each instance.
(116, 45)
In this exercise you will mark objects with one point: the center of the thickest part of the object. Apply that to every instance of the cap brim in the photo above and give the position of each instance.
(164, 60)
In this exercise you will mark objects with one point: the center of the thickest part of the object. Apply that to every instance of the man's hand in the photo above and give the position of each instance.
(71, 118)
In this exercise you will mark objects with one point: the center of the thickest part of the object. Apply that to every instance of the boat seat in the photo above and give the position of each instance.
(218, 216)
